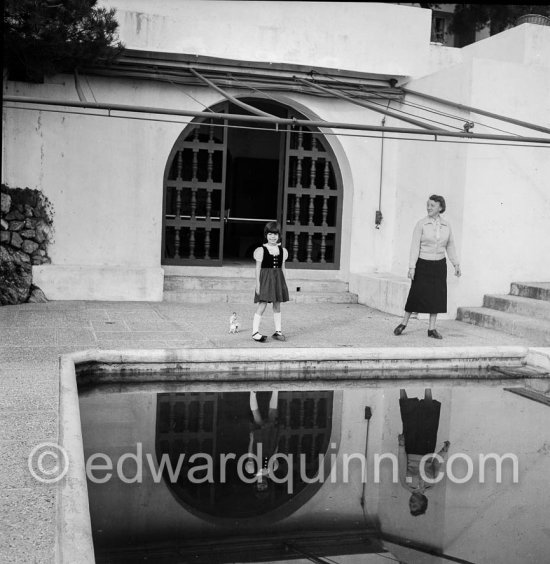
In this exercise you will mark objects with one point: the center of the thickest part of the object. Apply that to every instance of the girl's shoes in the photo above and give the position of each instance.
(278, 336)
(399, 329)
(258, 337)
(434, 333)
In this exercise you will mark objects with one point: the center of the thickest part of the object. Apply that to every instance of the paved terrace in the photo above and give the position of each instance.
(34, 335)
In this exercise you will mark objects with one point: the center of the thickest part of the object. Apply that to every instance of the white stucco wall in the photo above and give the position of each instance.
(497, 197)
(104, 177)
(364, 36)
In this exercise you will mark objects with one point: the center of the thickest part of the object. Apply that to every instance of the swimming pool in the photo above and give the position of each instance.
(335, 403)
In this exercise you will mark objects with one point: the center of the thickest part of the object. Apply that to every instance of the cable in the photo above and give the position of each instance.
(437, 138)
(396, 109)
(427, 109)
(254, 89)
(190, 96)
(451, 116)
(420, 117)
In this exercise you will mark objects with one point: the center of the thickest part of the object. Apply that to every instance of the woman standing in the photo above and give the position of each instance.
(432, 236)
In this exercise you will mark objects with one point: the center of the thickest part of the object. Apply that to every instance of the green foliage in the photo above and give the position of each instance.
(44, 37)
(497, 17)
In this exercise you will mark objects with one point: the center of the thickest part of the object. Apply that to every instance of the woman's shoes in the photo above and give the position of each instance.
(399, 329)
(278, 336)
(434, 334)
(259, 338)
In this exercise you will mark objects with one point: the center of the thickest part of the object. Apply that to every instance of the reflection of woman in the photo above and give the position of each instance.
(432, 236)
(420, 419)
(265, 433)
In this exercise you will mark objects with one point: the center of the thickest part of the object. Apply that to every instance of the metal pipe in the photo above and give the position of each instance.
(477, 111)
(368, 105)
(227, 96)
(272, 120)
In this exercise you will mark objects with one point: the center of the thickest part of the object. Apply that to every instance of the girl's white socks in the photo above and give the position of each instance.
(277, 320)
(256, 323)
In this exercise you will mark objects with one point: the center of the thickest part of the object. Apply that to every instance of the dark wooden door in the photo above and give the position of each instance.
(312, 201)
(194, 196)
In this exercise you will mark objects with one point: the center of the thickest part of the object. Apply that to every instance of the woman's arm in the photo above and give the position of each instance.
(402, 464)
(415, 248)
(451, 251)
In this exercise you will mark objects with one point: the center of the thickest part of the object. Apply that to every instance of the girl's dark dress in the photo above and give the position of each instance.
(273, 286)
(420, 423)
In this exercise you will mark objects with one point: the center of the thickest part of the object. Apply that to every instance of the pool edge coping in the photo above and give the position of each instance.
(74, 533)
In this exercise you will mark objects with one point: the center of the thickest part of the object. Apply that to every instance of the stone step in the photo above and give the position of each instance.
(533, 290)
(536, 329)
(183, 283)
(247, 297)
(521, 306)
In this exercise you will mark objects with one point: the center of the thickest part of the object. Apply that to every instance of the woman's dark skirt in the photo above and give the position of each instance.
(420, 423)
(428, 293)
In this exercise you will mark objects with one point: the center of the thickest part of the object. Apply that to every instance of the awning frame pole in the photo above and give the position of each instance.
(368, 105)
(459, 106)
(269, 120)
(228, 97)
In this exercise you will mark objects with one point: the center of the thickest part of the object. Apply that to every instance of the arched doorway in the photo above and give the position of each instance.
(224, 180)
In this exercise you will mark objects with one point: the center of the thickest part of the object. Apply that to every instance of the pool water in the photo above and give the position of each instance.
(332, 493)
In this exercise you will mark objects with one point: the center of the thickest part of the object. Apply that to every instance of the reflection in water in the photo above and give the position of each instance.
(420, 419)
(242, 450)
(206, 515)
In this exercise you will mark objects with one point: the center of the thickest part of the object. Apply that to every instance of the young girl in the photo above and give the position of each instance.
(270, 280)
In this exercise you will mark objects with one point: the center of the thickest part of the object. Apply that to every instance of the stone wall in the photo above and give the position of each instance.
(26, 228)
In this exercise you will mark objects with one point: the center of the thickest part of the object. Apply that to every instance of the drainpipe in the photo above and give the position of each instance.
(378, 215)
(79, 91)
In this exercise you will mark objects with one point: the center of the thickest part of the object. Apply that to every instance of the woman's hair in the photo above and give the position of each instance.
(423, 501)
(440, 200)
(272, 227)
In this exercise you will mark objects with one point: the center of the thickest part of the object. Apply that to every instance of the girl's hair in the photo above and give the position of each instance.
(440, 200)
(272, 227)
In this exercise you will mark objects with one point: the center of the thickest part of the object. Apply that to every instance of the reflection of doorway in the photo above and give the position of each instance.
(217, 425)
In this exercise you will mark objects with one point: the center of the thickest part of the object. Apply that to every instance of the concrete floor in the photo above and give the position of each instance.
(34, 335)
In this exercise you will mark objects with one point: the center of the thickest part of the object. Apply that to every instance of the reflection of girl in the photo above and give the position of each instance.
(265, 433)
(420, 419)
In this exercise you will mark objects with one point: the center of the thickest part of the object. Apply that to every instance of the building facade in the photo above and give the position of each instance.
(159, 186)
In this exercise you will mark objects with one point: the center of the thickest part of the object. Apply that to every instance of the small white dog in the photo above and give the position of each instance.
(234, 323)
